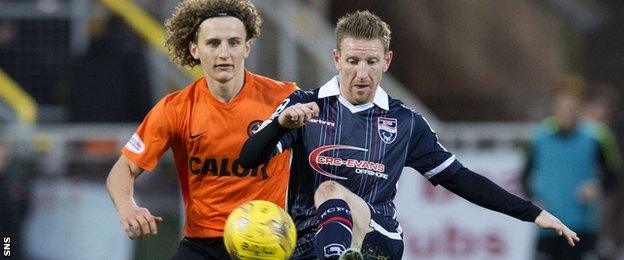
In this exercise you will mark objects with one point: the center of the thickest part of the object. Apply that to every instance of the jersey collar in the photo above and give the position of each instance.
(331, 88)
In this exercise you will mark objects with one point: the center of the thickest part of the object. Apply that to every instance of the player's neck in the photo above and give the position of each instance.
(226, 91)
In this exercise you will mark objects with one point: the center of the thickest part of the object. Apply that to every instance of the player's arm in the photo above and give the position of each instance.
(448, 172)
(259, 148)
(485, 193)
(137, 221)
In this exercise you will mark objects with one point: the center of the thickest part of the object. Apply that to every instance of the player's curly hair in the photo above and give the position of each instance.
(363, 25)
(182, 27)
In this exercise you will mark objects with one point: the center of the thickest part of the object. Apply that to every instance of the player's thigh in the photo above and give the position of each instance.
(211, 248)
(385, 241)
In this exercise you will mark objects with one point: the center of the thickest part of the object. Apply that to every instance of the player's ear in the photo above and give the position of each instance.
(193, 50)
(248, 47)
(387, 59)
(336, 56)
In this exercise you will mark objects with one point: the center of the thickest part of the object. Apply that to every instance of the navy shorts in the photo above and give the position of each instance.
(385, 241)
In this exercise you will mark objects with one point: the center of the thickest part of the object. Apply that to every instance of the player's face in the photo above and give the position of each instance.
(221, 48)
(360, 64)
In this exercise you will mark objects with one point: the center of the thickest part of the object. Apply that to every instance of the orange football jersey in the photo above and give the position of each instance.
(206, 137)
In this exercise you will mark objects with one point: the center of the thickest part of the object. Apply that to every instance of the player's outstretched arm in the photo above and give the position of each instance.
(547, 220)
(259, 148)
(137, 221)
(485, 193)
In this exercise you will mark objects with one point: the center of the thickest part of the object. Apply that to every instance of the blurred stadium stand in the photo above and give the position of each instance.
(480, 71)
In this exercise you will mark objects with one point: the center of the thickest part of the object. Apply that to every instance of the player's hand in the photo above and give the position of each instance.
(138, 222)
(298, 115)
(546, 220)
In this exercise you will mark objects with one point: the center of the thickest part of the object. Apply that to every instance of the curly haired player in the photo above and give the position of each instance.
(205, 125)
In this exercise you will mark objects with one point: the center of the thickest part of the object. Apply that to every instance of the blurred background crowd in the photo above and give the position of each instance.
(77, 76)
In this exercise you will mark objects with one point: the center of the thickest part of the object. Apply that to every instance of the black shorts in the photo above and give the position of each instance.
(385, 241)
(201, 248)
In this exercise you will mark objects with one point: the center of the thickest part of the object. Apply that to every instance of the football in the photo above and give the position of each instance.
(259, 230)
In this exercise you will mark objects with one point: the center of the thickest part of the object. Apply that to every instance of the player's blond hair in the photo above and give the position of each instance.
(182, 27)
(363, 25)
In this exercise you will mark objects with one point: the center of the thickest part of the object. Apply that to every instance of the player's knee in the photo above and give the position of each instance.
(326, 191)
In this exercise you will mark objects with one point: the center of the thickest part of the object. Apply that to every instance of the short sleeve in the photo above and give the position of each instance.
(150, 140)
(426, 155)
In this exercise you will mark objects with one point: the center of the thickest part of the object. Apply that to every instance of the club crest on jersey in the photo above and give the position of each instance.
(387, 129)
(253, 127)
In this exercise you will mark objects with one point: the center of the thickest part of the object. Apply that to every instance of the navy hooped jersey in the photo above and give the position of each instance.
(363, 147)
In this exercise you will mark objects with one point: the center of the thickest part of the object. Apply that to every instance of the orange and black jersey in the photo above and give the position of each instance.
(206, 137)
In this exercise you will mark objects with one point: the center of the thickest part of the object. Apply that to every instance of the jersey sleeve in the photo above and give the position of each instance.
(150, 140)
(288, 139)
(426, 155)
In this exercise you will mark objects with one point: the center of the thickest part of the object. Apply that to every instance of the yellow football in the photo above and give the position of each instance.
(259, 229)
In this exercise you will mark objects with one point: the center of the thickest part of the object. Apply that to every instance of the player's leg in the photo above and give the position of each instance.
(385, 241)
(338, 229)
(209, 248)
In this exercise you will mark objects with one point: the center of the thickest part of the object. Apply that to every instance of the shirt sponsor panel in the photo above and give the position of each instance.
(135, 144)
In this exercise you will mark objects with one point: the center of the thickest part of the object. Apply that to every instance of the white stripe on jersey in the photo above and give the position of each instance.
(439, 168)
(433, 131)
(429, 125)
(263, 125)
(279, 147)
(383, 231)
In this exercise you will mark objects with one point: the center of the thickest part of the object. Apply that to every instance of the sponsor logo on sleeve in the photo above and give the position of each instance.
(135, 144)
(322, 122)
